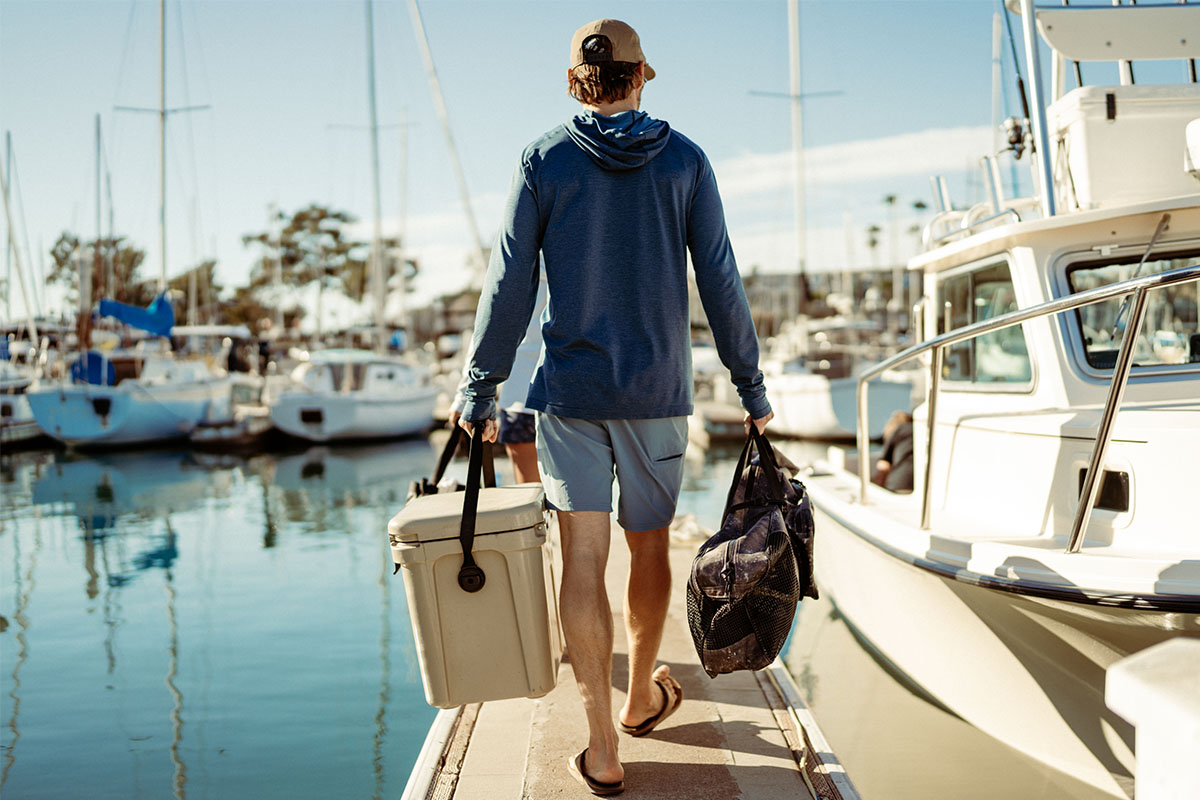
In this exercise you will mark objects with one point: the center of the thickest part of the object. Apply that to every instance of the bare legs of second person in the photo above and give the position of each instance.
(587, 626)
(524, 462)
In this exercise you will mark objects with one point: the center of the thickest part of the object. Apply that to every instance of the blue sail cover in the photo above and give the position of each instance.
(92, 367)
(157, 318)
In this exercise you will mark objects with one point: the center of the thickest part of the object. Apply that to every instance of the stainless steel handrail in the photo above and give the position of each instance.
(1121, 370)
(965, 230)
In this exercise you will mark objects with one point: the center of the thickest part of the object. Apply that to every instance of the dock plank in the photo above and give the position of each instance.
(724, 742)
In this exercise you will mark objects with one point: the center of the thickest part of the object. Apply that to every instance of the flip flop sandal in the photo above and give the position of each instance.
(672, 697)
(599, 788)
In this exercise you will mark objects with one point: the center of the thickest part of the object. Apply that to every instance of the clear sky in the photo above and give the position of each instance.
(914, 78)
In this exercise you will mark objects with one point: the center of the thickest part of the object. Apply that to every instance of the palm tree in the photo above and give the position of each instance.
(873, 232)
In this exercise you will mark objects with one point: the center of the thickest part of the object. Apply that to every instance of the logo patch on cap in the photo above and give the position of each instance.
(597, 49)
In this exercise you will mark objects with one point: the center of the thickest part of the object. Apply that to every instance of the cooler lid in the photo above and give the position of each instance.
(436, 517)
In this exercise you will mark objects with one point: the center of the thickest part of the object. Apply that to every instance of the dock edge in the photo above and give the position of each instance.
(822, 771)
(437, 765)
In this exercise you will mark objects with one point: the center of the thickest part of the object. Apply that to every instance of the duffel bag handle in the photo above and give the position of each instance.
(479, 465)
(766, 463)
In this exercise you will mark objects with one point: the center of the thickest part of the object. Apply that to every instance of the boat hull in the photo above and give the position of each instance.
(812, 406)
(16, 420)
(84, 415)
(1029, 671)
(325, 417)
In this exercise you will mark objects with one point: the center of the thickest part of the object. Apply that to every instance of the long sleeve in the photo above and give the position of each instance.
(507, 300)
(722, 295)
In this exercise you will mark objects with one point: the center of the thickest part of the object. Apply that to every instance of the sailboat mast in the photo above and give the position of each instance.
(797, 150)
(376, 235)
(162, 143)
(8, 250)
(401, 232)
(96, 255)
(16, 254)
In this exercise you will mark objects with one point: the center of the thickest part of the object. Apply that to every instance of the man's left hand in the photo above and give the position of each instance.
(491, 428)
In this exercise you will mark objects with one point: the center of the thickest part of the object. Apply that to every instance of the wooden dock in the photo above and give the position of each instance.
(745, 735)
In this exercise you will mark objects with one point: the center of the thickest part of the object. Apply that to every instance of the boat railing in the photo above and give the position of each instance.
(1137, 287)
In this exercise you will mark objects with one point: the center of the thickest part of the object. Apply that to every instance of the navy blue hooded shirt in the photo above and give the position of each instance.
(614, 204)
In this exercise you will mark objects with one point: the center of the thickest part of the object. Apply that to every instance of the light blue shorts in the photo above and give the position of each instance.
(579, 457)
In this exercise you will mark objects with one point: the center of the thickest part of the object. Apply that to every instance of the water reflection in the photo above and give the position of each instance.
(893, 738)
(264, 663)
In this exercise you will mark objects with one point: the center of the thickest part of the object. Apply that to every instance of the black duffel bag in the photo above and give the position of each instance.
(748, 577)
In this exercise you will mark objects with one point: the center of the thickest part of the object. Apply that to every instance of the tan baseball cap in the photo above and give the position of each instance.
(605, 41)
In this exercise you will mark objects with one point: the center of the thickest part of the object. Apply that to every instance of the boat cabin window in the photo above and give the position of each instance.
(970, 297)
(1169, 334)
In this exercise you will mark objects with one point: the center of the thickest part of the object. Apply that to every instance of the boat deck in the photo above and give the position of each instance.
(745, 735)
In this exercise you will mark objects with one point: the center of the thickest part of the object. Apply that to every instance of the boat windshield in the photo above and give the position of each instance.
(1169, 332)
(973, 296)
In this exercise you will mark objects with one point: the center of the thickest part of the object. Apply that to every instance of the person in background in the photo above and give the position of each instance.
(517, 425)
(894, 469)
(614, 200)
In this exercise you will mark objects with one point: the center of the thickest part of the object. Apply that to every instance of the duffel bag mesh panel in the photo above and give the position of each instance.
(749, 632)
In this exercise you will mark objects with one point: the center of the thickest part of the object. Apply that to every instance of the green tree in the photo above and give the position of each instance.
(311, 244)
(119, 258)
(873, 232)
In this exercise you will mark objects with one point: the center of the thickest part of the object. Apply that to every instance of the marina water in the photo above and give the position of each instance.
(183, 624)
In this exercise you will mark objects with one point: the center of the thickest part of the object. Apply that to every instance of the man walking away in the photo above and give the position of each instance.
(614, 200)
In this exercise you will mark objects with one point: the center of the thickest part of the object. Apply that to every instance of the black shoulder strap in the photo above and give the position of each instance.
(470, 576)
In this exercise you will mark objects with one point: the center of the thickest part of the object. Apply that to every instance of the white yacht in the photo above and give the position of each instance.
(355, 394)
(16, 417)
(809, 405)
(1064, 363)
(814, 396)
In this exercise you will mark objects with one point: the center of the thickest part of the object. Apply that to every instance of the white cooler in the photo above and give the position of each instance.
(494, 642)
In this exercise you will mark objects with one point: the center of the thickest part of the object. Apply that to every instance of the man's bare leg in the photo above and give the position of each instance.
(647, 595)
(587, 626)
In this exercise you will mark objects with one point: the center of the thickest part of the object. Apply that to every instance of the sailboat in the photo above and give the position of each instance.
(144, 394)
(352, 393)
(16, 417)
(808, 400)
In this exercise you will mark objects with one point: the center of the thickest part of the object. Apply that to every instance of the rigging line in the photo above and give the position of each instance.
(125, 47)
(191, 139)
(173, 149)
(213, 174)
(16, 190)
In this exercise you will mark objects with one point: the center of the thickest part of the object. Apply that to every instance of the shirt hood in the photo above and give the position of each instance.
(619, 143)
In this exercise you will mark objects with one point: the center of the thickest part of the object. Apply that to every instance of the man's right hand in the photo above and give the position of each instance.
(491, 428)
(760, 423)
